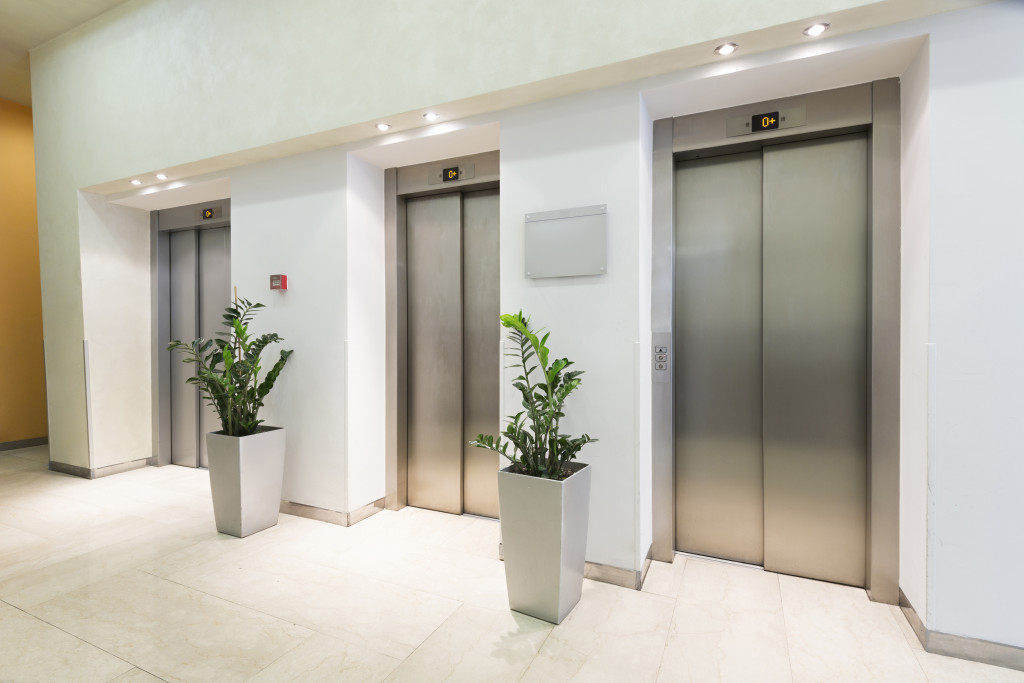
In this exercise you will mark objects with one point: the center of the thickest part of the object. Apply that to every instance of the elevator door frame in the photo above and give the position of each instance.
(400, 184)
(871, 107)
(162, 224)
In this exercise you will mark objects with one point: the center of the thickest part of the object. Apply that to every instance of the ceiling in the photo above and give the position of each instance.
(25, 24)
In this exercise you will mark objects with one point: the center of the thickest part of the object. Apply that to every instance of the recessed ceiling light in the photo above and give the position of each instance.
(383, 126)
(161, 176)
(815, 30)
(431, 116)
(726, 49)
(136, 182)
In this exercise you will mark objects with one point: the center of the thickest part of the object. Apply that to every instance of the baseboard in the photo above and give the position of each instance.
(606, 573)
(97, 472)
(962, 647)
(24, 443)
(911, 614)
(332, 516)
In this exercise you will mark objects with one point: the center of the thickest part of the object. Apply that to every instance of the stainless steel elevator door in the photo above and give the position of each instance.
(200, 289)
(770, 334)
(184, 285)
(482, 354)
(815, 358)
(434, 281)
(718, 478)
(214, 297)
(454, 359)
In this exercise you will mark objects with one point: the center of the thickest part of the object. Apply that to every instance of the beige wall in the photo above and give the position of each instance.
(22, 388)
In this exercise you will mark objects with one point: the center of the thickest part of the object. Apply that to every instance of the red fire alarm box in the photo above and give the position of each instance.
(279, 282)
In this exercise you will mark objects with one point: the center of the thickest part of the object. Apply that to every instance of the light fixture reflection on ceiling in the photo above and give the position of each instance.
(161, 176)
(383, 126)
(726, 49)
(431, 116)
(815, 30)
(136, 182)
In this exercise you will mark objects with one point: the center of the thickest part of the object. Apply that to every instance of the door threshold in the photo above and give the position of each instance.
(483, 517)
(711, 558)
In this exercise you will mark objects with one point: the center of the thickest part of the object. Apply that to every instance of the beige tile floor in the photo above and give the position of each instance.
(125, 579)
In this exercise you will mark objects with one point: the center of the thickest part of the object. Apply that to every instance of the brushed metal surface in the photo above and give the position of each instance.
(184, 318)
(416, 179)
(718, 465)
(544, 541)
(246, 475)
(883, 565)
(435, 352)
(566, 242)
(662, 310)
(481, 349)
(825, 110)
(815, 356)
(160, 377)
(214, 297)
(395, 288)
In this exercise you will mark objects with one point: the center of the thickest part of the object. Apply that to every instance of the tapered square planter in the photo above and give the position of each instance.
(544, 540)
(246, 474)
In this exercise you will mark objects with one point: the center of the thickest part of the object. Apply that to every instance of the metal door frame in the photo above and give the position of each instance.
(401, 184)
(161, 224)
(872, 107)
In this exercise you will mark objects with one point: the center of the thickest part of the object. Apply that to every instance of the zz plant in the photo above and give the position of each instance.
(539, 449)
(228, 368)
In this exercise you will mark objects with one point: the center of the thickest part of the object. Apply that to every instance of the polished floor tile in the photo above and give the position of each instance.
(324, 659)
(171, 631)
(32, 650)
(728, 625)
(613, 634)
(383, 617)
(475, 644)
(665, 578)
(836, 634)
(126, 579)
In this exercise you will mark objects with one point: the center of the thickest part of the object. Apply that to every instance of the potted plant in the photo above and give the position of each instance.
(246, 458)
(543, 496)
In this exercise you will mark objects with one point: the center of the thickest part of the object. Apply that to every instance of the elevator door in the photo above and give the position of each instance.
(453, 350)
(770, 342)
(200, 267)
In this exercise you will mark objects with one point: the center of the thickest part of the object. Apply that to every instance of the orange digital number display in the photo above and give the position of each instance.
(769, 121)
(450, 174)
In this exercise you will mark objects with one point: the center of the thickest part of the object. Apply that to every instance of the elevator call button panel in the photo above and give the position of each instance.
(661, 358)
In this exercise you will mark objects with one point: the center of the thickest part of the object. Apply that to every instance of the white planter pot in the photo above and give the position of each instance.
(246, 474)
(544, 540)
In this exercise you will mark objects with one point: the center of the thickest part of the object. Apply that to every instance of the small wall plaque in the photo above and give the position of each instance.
(567, 242)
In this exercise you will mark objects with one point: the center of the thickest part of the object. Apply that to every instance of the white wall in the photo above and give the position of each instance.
(644, 350)
(976, 462)
(367, 333)
(116, 283)
(289, 216)
(154, 84)
(914, 333)
(571, 152)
